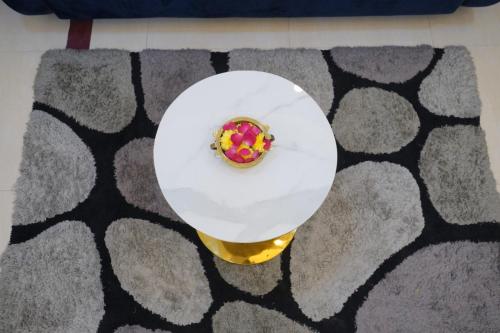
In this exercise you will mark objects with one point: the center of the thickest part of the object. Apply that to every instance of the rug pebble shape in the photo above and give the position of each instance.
(51, 283)
(136, 178)
(57, 171)
(450, 287)
(456, 170)
(167, 73)
(137, 329)
(93, 87)
(451, 88)
(160, 269)
(372, 211)
(375, 121)
(385, 64)
(306, 68)
(254, 279)
(243, 317)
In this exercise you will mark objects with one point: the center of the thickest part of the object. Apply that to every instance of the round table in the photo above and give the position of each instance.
(245, 216)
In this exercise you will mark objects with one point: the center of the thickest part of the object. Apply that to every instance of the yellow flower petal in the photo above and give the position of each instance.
(259, 143)
(225, 139)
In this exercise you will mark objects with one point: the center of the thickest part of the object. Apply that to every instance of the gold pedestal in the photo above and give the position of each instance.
(247, 253)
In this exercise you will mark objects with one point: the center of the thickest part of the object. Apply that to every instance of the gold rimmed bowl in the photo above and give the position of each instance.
(242, 142)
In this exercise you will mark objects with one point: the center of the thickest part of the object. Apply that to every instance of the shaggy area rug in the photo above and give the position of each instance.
(407, 241)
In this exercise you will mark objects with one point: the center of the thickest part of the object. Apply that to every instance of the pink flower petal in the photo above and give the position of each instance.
(239, 159)
(267, 144)
(244, 127)
(231, 153)
(244, 152)
(237, 138)
(255, 154)
(249, 138)
(255, 130)
(229, 126)
(250, 159)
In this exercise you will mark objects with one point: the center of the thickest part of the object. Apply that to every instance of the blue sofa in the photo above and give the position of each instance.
(90, 9)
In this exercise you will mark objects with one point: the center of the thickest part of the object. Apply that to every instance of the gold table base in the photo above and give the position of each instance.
(247, 253)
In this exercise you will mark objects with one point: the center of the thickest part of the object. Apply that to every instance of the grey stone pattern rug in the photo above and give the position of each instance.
(408, 240)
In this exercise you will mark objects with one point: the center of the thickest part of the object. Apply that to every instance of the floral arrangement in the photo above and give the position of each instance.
(243, 140)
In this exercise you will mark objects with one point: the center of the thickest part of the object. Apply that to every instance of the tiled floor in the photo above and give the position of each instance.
(23, 39)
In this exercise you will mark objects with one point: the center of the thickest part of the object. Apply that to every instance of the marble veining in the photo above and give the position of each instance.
(245, 205)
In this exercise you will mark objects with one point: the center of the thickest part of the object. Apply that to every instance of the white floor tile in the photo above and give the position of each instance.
(119, 34)
(487, 61)
(218, 34)
(467, 26)
(6, 205)
(16, 93)
(325, 33)
(30, 33)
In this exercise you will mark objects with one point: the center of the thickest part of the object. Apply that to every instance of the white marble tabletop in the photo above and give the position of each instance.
(261, 202)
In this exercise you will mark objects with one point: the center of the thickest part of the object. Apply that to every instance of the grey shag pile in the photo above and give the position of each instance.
(408, 239)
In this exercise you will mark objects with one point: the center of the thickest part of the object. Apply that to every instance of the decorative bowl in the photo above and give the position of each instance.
(242, 142)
